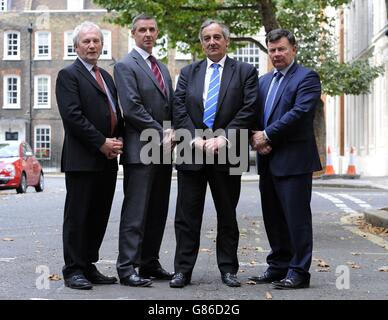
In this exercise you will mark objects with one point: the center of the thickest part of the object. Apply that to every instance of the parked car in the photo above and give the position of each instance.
(19, 168)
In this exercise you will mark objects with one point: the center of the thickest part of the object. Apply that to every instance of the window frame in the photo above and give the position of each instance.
(36, 92)
(107, 45)
(68, 37)
(7, 105)
(6, 46)
(36, 142)
(42, 56)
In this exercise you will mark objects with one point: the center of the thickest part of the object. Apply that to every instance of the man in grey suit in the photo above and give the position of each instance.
(145, 93)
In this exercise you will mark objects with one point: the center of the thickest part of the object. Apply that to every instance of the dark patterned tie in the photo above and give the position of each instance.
(157, 74)
(112, 113)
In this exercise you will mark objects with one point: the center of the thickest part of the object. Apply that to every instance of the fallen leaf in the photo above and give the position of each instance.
(322, 264)
(322, 270)
(253, 262)
(355, 253)
(383, 269)
(259, 249)
(7, 239)
(250, 282)
(356, 266)
(54, 277)
(204, 250)
(268, 295)
(342, 238)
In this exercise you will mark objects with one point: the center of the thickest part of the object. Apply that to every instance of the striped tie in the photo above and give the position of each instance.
(212, 97)
(271, 97)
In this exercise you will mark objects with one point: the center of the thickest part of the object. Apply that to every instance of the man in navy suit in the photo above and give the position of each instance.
(287, 157)
(217, 94)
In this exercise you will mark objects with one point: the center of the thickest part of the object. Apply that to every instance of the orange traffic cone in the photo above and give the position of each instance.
(351, 171)
(329, 172)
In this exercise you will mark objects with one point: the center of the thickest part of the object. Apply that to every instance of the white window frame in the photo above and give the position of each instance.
(45, 56)
(3, 5)
(107, 45)
(245, 54)
(6, 104)
(75, 5)
(36, 92)
(36, 142)
(179, 55)
(67, 41)
(6, 56)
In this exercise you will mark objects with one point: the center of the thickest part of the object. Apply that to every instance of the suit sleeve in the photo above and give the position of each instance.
(307, 96)
(245, 117)
(131, 102)
(181, 118)
(69, 105)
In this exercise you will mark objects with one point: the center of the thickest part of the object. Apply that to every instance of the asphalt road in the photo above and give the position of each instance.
(31, 249)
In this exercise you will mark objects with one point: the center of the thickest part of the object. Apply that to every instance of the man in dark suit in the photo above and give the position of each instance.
(145, 92)
(287, 157)
(87, 102)
(217, 94)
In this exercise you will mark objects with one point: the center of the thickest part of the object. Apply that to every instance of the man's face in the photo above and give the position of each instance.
(145, 34)
(89, 46)
(281, 53)
(214, 43)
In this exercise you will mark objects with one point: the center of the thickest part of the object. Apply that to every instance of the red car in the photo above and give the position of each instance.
(19, 167)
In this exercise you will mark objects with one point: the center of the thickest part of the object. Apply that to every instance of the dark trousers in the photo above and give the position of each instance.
(143, 216)
(225, 190)
(87, 207)
(287, 219)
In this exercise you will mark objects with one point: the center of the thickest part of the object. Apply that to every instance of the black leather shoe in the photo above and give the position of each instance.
(97, 277)
(157, 273)
(291, 283)
(78, 281)
(267, 277)
(179, 280)
(230, 279)
(134, 280)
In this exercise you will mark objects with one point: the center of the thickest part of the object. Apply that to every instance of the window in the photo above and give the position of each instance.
(12, 45)
(249, 54)
(107, 49)
(75, 5)
(42, 92)
(11, 89)
(179, 54)
(42, 45)
(3, 5)
(42, 142)
(69, 47)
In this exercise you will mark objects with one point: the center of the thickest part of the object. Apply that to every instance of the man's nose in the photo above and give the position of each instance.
(148, 32)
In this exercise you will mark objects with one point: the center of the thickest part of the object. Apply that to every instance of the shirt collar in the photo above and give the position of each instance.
(142, 52)
(285, 70)
(86, 64)
(221, 62)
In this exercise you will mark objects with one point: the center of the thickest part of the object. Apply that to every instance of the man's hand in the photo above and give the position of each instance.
(168, 140)
(214, 144)
(259, 143)
(112, 147)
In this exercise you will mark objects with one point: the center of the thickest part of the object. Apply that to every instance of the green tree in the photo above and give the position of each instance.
(307, 19)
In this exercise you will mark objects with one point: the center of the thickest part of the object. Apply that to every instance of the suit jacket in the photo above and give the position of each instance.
(235, 107)
(143, 103)
(84, 108)
(290, 124)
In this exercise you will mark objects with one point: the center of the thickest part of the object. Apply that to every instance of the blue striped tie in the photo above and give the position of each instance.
(212, 97)
(271, 96)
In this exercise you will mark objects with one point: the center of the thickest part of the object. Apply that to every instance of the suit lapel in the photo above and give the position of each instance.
(282, 86)
(227, 75)
(199, 82)
(142, 64)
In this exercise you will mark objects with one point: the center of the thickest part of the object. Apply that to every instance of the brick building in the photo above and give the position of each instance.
(35, 43)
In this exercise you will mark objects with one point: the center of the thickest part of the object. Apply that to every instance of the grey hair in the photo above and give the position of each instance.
(208, 22)
(85, 25)
(142, 16)
(276, 34)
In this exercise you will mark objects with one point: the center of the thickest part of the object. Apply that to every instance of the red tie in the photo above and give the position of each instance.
(157, 74)
(101, 84)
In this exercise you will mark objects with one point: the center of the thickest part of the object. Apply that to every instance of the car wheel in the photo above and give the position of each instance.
(40, 186)
(22, 188)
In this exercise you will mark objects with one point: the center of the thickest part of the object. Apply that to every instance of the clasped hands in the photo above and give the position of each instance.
(211, 145)
(259, 143)
(168, 142)
(112, 147)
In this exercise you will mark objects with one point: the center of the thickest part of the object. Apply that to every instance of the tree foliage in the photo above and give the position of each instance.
(313, 27)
